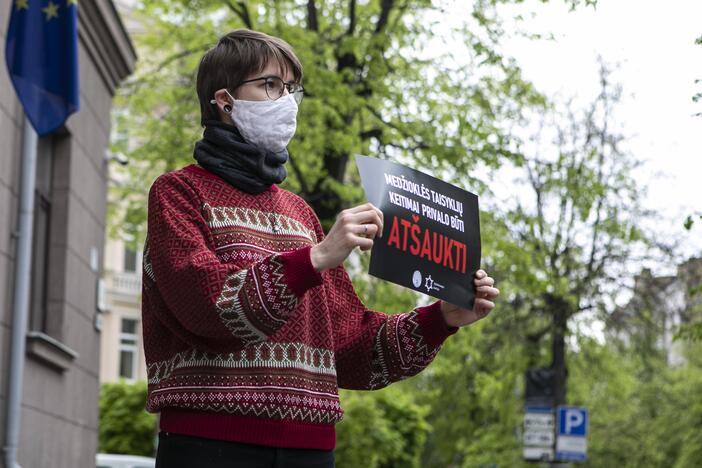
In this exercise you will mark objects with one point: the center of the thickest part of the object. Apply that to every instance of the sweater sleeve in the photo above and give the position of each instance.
(374, 349)
(210, 303)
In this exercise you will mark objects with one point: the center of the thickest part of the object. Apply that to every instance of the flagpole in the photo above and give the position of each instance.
(20, 312)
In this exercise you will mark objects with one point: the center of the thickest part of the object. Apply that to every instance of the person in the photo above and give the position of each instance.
(250, 321)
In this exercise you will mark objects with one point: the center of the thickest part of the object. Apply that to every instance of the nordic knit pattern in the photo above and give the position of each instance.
(244, 340)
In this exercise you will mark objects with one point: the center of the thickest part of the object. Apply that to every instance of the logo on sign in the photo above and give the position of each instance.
(417, 279)
(430, 284)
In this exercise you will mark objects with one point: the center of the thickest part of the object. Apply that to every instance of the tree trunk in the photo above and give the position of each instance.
(558, 350)
(324, 200)
(558, 363)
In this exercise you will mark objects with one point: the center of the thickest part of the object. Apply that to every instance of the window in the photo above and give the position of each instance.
(128, 349)
(130, 260)
(43, 198)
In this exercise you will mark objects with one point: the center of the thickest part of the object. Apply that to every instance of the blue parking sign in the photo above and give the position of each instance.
(571, 438)
(572, 421)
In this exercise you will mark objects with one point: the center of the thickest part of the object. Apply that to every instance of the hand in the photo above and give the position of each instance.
(355, 227)
(485, 294)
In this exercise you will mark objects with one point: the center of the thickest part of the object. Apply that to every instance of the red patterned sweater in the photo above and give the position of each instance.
(244, 340)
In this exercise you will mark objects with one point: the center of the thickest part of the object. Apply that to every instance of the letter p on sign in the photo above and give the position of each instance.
(572, 421)
(574, 418)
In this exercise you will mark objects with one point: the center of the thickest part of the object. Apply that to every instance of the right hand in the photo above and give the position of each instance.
(355, 227)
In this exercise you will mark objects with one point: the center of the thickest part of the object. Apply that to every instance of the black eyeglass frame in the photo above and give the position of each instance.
(293, 88)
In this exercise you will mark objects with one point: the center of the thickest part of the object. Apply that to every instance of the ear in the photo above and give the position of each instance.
(223, 103)
(221, 99)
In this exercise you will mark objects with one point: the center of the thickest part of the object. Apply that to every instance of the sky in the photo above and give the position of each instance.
(653, 45)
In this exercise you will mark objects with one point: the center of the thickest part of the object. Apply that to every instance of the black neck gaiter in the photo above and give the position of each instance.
(224, 152)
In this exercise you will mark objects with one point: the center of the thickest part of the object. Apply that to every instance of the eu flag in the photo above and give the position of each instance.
(42, 59)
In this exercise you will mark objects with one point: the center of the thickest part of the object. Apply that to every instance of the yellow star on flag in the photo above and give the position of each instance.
(51, 11)
(21, 4)
(71, 2)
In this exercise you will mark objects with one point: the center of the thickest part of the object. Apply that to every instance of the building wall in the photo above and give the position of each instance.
(59, 414)
(669, 302)
(123, 301)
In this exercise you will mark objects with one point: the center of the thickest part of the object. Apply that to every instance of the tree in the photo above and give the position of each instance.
(381, 429)
(125, 427)
(373, 87)
(580, 228)
(558, 249)
(637, 421)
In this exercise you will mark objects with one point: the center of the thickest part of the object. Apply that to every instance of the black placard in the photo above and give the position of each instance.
(431, 235)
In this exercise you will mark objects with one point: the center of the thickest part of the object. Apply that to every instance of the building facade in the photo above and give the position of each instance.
(59, 410)
(659, 306)
(121, 347)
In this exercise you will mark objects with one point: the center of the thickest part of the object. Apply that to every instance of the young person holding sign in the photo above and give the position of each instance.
(250, 320)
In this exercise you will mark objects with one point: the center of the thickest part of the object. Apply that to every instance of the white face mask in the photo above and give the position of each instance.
(268, 125)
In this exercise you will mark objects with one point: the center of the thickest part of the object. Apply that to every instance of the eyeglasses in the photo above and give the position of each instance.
(275, 87)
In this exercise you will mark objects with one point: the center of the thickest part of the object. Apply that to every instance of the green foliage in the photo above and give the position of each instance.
(381, 429)
(125, 427)
(373, 87)
(473, 391)
(691, 331)
(638, 418)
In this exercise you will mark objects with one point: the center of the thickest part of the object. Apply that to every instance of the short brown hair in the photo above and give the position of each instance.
(236, 56)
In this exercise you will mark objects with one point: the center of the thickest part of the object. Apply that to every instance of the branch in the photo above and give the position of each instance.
(352, 17)
(136, 80)
(377, 115)
(372, 133)
(242, 11)
(312, 23)
(419, 146)
(298, 173)
(419, 143)
(385, 7)
(398, 17)
(536, 336)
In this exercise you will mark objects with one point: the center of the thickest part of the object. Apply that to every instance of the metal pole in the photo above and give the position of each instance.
(20, 311)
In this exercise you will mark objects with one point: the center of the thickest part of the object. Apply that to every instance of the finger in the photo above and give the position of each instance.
(369, 216)
(358, 208)
(483, 306)
(365, 216)
(364, 244)
(486, 281)
(487, 292)
(382, 218)
(480, 274)
(349, 221)
(365, 230)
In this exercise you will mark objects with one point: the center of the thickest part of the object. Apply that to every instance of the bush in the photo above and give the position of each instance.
(125, 426)
(380, 430)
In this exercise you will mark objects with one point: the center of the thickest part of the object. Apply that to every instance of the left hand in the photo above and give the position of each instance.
(485, 294)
